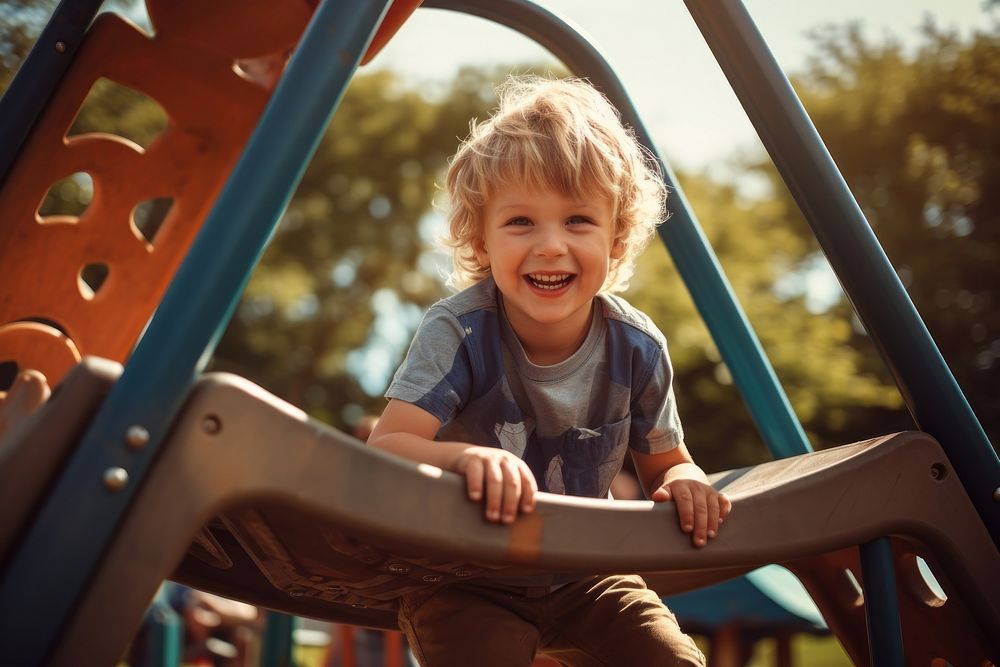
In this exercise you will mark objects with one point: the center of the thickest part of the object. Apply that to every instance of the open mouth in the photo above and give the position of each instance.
(549, 281)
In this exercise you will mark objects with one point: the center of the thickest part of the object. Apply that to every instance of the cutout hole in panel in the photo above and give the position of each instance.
(113, 108)
(148, 216)
(856, 586)
(68, 197)
(92, 277)
(8, 373)
(917, 578)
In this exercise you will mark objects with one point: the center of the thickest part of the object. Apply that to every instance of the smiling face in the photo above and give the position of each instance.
(549, 254)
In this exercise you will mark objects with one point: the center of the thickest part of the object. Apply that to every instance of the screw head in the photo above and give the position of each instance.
(211, 424)
(115, 478)
(60, 47)
(136, 437)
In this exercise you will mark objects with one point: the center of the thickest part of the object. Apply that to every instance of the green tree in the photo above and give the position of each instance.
(917, 136)
(352, 240)
(826, 378)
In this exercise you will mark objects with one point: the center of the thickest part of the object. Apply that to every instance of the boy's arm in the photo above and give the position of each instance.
(503, 479)
(673, 475)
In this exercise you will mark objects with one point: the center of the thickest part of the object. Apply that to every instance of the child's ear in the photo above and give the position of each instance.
(482, 255)
(618, 249)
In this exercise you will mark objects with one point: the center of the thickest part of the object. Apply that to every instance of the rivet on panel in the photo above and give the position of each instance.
(211, 424)
(136, 437)
(115, 478)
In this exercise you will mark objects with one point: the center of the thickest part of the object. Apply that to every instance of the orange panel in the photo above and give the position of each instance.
(394, 19)
(212, 71)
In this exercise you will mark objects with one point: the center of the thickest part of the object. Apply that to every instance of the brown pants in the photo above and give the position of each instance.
(611, 620)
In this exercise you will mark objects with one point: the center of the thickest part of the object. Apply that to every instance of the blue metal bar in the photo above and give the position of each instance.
(924, 379)
(50, 569)
(278, 646)
(40, 73)
(690, 250)
(885, 634)
(162, 628)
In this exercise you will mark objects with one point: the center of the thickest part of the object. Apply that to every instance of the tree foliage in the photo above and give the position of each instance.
(917, 137)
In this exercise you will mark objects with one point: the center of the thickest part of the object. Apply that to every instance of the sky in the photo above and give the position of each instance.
(671, 75)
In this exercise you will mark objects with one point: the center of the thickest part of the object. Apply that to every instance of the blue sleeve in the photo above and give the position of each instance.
(436, 374)
(656, 426)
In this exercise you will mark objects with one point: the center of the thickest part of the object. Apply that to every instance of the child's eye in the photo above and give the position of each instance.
(519, 222)
(577, 220)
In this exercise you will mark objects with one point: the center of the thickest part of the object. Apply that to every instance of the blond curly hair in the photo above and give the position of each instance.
(559, 134)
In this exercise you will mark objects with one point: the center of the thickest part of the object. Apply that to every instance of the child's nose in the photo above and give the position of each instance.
(550, 243)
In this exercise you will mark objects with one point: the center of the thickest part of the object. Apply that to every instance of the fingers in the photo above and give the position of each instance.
(494, 479)
(529, 488)
(505, 483)
(684, 500)
(661, 495)
(511, 489)
(473, 471)
(725, 507)
(700, 510)
(712, 514)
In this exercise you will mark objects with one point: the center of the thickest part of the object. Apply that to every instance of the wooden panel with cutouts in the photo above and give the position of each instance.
(93, 224)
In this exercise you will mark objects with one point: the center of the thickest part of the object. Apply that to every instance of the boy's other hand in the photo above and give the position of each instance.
(700, 508)
(504, 480)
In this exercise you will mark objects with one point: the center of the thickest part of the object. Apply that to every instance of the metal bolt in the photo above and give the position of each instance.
(136, 437)
(60, 47)
(115, 478)
(996, 495)
(211, 425)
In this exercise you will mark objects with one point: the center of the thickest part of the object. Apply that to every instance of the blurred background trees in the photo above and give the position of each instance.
(329, 312)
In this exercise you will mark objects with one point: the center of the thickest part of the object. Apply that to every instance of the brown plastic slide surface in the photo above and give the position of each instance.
(290, 514)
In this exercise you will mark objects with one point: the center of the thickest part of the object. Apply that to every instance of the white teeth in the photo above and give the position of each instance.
(550, 281)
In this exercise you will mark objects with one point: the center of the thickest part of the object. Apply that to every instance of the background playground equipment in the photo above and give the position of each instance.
(121, 469)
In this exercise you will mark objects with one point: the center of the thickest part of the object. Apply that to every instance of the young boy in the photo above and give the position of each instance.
(535, 377)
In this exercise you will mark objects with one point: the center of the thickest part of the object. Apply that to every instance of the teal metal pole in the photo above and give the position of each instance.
(931, 393)
(278, 645)
(49, 571)
(885, 633)
(40, 73)
(162, 627)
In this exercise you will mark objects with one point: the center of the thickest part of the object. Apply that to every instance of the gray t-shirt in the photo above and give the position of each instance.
(571, 422)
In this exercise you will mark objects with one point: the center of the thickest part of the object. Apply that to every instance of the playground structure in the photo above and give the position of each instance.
(130, 475)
